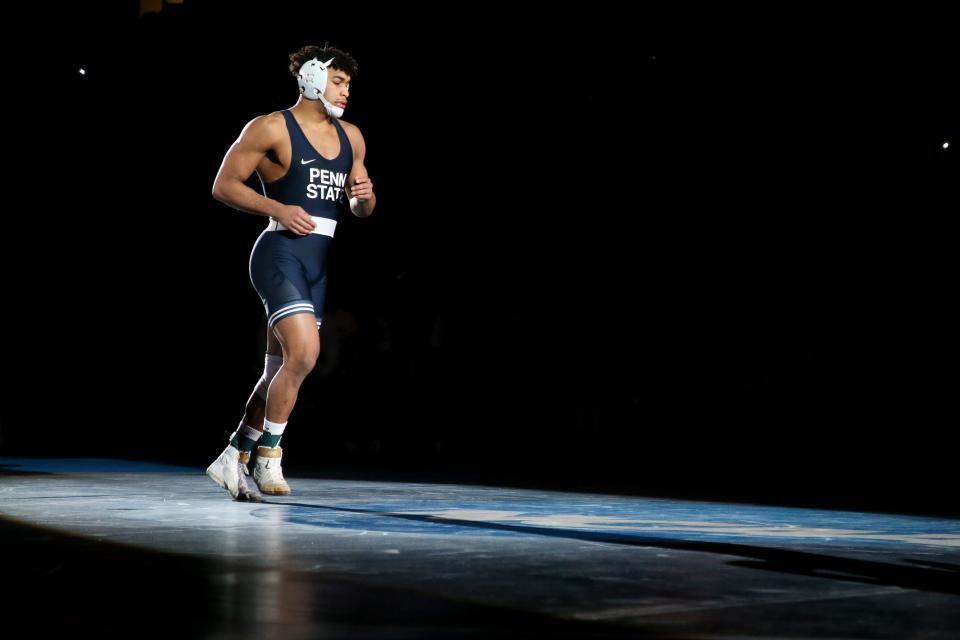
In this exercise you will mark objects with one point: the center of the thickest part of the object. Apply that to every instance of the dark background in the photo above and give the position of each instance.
(696, 254)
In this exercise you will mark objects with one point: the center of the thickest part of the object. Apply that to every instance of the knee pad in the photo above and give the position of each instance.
(271, 365)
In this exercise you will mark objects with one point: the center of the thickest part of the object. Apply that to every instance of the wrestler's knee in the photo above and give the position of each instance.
(302, 360)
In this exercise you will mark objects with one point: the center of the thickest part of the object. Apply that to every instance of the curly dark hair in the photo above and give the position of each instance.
(341, 59)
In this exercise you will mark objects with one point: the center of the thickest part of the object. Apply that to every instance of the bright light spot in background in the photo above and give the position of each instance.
(946, 145)
(83, 72)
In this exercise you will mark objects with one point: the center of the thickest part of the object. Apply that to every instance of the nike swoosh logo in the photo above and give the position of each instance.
(302, 161)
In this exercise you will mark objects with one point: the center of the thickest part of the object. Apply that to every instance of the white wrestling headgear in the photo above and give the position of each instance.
(312, 81)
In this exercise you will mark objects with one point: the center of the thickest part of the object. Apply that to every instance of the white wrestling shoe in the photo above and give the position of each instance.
(267, 472)
(228, 472)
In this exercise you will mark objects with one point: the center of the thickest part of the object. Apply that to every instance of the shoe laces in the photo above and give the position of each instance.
(273, 471)
(244, 487)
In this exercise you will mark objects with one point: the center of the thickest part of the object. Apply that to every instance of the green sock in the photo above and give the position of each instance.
(272, 432)
(245, 437)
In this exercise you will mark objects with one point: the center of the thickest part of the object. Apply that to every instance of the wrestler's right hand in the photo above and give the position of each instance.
(296, 219)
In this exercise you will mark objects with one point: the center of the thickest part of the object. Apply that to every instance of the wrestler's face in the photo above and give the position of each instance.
(338, 88)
